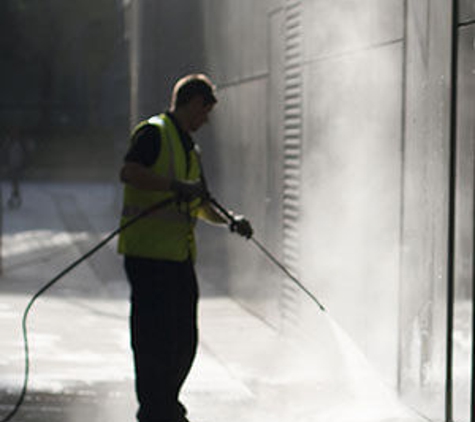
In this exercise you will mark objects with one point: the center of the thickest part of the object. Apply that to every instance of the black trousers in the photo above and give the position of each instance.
(164, 334)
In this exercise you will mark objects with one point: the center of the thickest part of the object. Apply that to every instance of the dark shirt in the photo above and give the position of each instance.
(146, 144)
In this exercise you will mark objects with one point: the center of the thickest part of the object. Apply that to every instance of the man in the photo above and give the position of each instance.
(159, 249)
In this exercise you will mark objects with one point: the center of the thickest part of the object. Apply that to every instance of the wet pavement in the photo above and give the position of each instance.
(81, 364)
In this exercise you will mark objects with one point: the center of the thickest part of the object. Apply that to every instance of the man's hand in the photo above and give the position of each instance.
(187, 191)
(241, 226)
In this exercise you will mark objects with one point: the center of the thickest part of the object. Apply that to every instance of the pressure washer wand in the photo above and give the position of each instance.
(270, 256)
(288, 273)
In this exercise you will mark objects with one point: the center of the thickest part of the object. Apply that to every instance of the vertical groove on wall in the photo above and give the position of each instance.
(402, 210)
(292, 147)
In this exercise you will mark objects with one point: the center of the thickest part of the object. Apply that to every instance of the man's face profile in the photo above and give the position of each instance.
(200, 113)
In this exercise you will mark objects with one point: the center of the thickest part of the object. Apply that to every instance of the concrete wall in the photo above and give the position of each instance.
(313, 124)
(165, 45)
(425, 202)
(237, 57)
(465, 211)
(338, 132)
(351, 167)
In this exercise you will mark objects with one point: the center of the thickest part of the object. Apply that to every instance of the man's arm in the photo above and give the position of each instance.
(211, 214)
(238, 223)
(143, 178)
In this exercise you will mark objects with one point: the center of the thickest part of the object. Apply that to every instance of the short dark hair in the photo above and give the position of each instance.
(191, 86)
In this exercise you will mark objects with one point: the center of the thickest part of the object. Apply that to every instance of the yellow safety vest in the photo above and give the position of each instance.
(167, 233)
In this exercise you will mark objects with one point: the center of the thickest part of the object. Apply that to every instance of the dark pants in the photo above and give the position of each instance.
(164, 297)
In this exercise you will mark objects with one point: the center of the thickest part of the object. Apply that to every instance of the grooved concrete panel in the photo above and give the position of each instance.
(349, 109)
(241, 124)
(467, 10)
(343, 26)
(465, 157)
(275, 115)
(167, 44)
(464, 222)
(425, 195)
(351, 194)
(236, 38)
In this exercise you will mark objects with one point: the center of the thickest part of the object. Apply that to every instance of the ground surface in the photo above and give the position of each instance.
(80, 357)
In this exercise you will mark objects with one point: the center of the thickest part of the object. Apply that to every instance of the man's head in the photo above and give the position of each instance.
(192, 100)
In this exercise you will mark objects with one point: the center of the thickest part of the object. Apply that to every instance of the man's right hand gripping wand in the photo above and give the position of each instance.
(236, 223)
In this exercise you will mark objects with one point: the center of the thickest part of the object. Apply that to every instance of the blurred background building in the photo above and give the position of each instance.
(64, 83)
(334, 133)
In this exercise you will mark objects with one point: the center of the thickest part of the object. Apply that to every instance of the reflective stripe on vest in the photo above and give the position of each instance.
(166, 233)
(166, 214)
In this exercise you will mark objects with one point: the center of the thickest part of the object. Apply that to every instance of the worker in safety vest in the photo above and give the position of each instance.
(159, 249)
